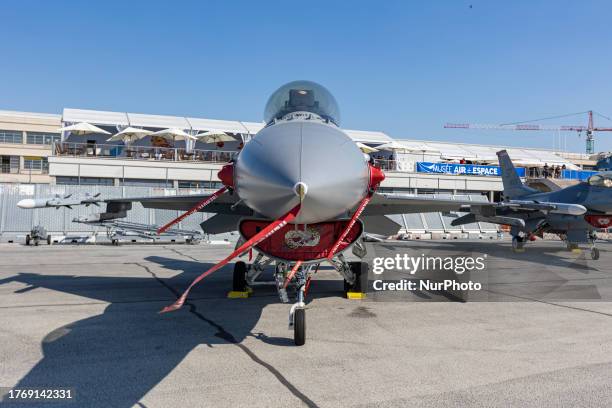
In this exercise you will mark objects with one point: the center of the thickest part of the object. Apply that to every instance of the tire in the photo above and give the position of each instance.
(347, 286)
(360, 269)
(595, 254)
(518, 243)
(48, 239)
(28, 239)
(299, 326)
(239, 283)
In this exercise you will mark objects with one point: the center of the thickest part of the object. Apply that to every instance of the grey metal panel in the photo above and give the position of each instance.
(446, 220)
(17, 219)
(414, 222)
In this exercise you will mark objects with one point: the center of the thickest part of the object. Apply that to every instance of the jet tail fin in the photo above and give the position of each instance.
(513, 186)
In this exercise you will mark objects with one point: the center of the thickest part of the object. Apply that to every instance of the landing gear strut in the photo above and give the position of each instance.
(297, 314)
(360, 275)
(594, 250)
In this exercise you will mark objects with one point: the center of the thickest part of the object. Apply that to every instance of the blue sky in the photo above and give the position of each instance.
(403, 67)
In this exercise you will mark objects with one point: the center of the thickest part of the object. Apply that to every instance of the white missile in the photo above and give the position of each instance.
(58, 201)
(29, 203)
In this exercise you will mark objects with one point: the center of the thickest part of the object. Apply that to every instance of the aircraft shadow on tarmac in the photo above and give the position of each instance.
(115, 358)
(551, 255)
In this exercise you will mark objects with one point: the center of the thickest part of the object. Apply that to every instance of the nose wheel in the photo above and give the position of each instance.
(299, 326)
(518, 243)
(239, 282)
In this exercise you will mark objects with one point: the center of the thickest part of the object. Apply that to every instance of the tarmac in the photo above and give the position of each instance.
(85, 318)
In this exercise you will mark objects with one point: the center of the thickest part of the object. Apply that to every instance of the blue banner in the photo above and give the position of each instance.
(463, 169)
(581, 175)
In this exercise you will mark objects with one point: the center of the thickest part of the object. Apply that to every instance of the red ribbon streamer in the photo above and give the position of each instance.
(293, 271)
(350, 225)
(256, 239)
(194, 209)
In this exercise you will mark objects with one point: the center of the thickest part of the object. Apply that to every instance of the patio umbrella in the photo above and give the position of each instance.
(174, 135)
(83, 128)
(365, 148)
(214, 136)
(129, 135)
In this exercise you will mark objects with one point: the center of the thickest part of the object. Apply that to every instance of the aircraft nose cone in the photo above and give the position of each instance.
(301, 161)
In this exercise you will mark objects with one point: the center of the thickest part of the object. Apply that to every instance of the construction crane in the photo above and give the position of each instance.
(527, 125)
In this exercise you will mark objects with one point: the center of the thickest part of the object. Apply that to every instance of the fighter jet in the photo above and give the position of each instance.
(575, 213)
(295, 193)
(301, 193)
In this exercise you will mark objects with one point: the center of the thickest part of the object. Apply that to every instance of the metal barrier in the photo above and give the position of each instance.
(15, 220)
(131, 152)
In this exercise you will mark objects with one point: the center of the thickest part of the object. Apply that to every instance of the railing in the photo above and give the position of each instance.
(388, 165)
(561, 174)
(116, 151)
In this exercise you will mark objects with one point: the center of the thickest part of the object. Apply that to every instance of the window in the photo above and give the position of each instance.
(11, 136)
(9, 164)
(90, 181)
(42, 138)
(35, 163)
(199, 184)
(146, 183)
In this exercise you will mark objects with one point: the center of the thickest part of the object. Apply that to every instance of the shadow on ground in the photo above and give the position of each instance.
(115, 358)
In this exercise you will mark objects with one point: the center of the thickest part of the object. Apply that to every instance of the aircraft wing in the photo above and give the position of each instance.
(118, 207)
(394, 203)
(222, 205)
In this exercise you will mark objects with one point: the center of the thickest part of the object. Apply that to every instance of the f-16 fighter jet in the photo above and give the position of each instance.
(575, 213)
(301, 193)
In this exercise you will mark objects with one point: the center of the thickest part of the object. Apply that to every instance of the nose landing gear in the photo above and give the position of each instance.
(297, 313)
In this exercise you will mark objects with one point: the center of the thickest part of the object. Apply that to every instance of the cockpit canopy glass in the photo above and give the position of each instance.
(302, 96)
(601, 179)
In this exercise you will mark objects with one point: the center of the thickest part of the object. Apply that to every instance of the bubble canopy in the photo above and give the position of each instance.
(302, 96)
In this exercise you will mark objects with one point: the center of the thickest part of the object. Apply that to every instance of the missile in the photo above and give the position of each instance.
(569, 209)
(58, 201)
(552, 207)
(29, 203)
